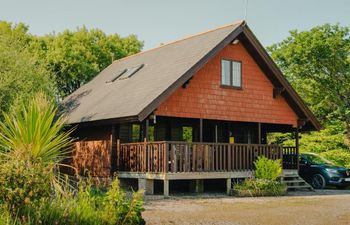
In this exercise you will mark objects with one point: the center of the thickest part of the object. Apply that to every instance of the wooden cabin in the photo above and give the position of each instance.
(196, 109)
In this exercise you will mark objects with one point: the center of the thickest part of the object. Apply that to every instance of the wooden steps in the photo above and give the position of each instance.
(294, 182)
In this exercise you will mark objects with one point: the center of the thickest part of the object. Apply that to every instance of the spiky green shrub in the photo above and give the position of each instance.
(34, 131)
(31, 148)
(267, 168)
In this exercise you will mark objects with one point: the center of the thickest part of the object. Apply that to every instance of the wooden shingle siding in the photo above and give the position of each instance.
(204, 97)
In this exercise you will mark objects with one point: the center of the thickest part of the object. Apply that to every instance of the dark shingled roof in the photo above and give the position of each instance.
(165, 69)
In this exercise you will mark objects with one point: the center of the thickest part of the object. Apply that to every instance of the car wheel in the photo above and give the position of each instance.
(318, 181)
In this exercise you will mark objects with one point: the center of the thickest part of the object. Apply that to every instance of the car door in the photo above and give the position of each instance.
(304, 168)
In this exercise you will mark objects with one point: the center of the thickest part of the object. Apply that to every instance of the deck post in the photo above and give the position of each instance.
(200, 130)
(197, 186)
(145, 129)
(297, 146)
(147, 185)
(113, 153)
(259, 133)
(166, 188)
(228, 186)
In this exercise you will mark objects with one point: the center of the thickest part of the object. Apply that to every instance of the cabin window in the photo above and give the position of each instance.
(151, 133)
(135, 132)
(187, 134)
(231, 73)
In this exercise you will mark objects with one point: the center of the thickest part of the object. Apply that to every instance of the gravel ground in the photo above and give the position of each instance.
(319, 207)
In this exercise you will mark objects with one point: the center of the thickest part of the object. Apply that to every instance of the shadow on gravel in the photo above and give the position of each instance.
(319, 192)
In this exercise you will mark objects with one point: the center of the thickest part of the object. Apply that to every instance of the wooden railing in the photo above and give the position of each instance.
(290, 158)
(142, 157)
(175, 157)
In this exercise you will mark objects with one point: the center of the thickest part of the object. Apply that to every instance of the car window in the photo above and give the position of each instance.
(315, 159)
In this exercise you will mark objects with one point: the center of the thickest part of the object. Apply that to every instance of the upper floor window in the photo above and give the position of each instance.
(231, 73)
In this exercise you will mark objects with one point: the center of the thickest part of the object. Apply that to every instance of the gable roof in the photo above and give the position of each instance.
(164, 70)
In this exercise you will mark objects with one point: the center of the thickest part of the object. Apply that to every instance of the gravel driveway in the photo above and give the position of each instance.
(320, 207)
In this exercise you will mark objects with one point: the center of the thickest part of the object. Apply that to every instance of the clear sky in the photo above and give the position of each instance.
(161, 21)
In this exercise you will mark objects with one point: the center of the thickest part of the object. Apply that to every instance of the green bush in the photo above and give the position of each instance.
(330, 142)
(88, 206)
(267, 169)
(338, 157)
(266, 181)
(23, 183)
(260, 187)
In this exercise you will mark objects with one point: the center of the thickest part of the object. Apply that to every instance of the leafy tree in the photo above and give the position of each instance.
(317, 64)
(75, 57)
(21, 73)
(66, 60)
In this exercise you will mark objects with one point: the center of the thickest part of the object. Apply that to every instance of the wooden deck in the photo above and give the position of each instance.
(170, 160)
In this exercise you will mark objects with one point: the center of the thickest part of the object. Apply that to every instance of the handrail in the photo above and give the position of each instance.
(178, 156)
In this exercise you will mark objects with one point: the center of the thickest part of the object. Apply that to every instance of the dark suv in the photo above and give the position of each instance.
(320, 173)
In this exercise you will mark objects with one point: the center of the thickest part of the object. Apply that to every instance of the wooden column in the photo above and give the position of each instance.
(200, 130)
(228, 186)
(145, 129)
(166, 188)
(147, 185)
(297, 146)
(259, 133)
(113, 156)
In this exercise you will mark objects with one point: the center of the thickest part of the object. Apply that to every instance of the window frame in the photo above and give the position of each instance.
(231, 74)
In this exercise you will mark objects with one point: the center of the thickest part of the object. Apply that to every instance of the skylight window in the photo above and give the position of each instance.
(117, 76)
(127, 73)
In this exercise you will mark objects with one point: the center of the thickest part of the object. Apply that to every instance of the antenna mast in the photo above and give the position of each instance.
(246, 10)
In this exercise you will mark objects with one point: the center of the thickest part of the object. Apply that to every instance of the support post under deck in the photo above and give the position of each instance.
(166, 188)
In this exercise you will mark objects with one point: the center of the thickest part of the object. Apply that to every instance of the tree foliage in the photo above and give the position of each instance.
(55, 64)
(317, 64)
(75, 57)
(21, 73)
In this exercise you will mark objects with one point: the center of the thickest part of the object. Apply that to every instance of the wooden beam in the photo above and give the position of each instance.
(301, 123)
(277, 91)
(200, 130)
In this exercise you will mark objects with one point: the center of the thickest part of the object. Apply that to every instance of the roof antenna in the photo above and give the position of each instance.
(246, 10)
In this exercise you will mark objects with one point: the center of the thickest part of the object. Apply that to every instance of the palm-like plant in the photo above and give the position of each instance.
(34, 131)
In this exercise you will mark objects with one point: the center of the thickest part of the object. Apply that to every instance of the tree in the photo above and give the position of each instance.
(317, 64)
(22, 75)
(75, 57)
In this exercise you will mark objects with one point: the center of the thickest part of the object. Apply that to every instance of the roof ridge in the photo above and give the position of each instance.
(182, 39)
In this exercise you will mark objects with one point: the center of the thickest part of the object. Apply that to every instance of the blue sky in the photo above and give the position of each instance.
(160, 21)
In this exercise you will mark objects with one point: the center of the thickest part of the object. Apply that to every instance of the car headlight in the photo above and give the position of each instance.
(329, 170)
